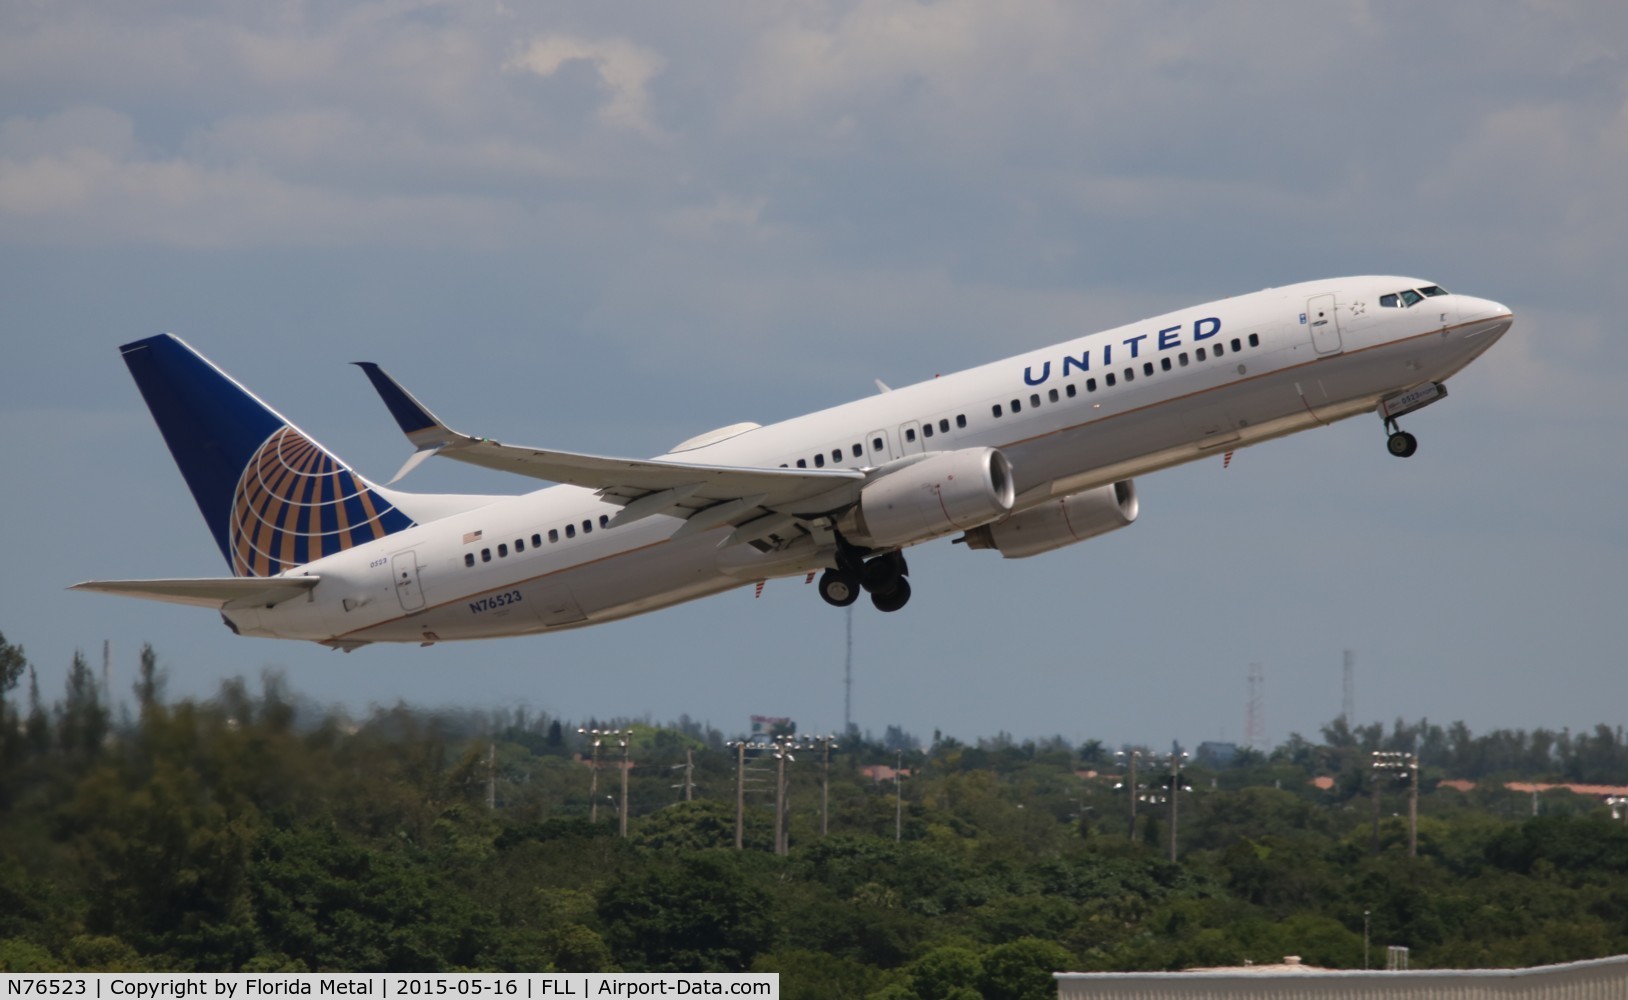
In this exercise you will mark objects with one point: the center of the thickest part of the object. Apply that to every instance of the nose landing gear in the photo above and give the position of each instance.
(1400, 443)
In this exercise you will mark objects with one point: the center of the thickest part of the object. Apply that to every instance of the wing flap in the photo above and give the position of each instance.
(209, 592)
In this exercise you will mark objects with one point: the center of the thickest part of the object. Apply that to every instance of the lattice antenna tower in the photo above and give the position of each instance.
(1255, 710)
(848, 680)
(1348, 700)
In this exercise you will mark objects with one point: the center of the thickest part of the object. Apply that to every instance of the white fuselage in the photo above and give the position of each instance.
(1187, 384)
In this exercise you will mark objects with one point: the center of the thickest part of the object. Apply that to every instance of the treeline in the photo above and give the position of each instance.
(254, 831)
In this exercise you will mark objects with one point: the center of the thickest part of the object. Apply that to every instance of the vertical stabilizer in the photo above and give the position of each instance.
(273, 497)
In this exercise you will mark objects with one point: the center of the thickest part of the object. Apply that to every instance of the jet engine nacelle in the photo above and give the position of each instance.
(1060, 522)
(944, 492)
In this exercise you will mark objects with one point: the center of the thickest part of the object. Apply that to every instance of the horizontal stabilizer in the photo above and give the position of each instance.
(210, 592)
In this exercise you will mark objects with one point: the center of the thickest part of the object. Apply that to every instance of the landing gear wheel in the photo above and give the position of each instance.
(839, 588)
(894, 599)
(1402, 444)
(882, 574)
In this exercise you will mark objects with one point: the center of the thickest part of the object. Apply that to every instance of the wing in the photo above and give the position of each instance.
(707, 496)
(210, 592)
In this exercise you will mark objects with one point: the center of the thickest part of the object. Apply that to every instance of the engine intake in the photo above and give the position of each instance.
(944, 492)
(1060, 522)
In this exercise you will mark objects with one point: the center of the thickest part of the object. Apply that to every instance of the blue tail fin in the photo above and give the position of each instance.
(274, 498)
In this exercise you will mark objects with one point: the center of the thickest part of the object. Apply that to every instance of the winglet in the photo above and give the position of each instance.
(423, 428)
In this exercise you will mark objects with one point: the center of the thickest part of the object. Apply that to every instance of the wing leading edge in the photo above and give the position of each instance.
(707, 495)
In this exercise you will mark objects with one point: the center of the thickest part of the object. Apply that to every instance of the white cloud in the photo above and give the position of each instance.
(624, 70)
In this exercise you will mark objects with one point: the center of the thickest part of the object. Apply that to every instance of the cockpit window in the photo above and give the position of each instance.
(1410, 297)
(1388, 301)
(1431, 291)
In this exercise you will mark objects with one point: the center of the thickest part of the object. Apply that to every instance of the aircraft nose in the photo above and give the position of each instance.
(1472, 309)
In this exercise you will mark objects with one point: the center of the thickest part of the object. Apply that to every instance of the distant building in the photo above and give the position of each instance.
(1216, 755)
(1600, 979)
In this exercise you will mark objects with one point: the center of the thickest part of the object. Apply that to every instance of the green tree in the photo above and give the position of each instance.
(700, 914)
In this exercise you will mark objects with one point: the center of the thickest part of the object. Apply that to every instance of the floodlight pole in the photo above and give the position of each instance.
(627, 740)
(739, 747)
(1175, 797)
(1402, 764)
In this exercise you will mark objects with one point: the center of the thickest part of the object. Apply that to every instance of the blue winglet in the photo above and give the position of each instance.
(409, 412)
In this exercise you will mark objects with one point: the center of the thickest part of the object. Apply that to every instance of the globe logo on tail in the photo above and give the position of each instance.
(296, 503)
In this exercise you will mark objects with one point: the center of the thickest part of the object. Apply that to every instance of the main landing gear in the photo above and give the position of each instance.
(1400, 443)
(881, 576)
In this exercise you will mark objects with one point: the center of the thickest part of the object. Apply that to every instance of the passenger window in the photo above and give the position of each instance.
(1387, 301)
(960, 420)
(1181, 359)
(1017, 406)
(570, 531)
(876, 444)
(910, 434)
(604, 520)
(1108, 380)
(1254, 340)
(1072, 391)
(1034, 399)
(519, 545)
(1147, 368)
(587, 526)
(802, 463)
(995, 410)
(819, 460)
(944, 426)
(836, 456)
(485, 555)
(1130, 375)
(553, 534)
(536, 541)
(469, 558)
(927, 429)
(1052, 395)
(1219, 350)
(1164, 363)
(502, 550)
(1090, 385)
(1236, 345)
(859, 450)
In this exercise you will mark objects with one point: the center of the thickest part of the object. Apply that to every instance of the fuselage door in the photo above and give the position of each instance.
(405, 567)
(910, 438)
(1324, 321)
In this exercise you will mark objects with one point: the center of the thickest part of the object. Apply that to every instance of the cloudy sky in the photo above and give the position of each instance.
(610, 227)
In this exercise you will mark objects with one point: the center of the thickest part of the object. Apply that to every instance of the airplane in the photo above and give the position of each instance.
(1021, 456)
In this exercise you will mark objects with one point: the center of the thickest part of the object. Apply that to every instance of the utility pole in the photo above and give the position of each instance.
(739, 746)
(689, 774)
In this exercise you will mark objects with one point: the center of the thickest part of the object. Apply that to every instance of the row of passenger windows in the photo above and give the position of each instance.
(554, 535)
(878, 445)
(1408, 296)
(1110, 379)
